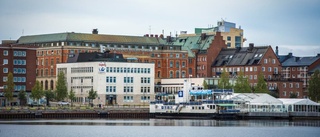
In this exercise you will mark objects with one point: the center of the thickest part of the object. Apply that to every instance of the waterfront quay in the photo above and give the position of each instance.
(131, 112)
(124, 112)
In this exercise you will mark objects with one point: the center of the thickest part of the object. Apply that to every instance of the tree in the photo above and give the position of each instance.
(224, 80)
(9, 89)
(37, 92)
(22, 97)
(49, 96)
(92, 95)
(242, 84)
(293, 95)
(261, 85)
(314, 86)
(61, 87)
(72, 96)
(204, 84)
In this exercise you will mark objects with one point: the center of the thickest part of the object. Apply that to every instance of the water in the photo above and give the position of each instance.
(158, 128)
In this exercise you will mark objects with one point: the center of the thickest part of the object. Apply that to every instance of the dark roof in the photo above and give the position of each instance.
(299, 61)
(240, 56)
(95, 56)
(314, 69)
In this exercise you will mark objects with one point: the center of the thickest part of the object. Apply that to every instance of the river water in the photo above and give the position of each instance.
(158, 128)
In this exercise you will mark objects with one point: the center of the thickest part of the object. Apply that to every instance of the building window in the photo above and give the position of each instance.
(5, 53)
(171, 74)
(5, 79)
(159, 74)
(5, 70)
(291, 85)
(265, 61)
(297, 85)
(177, 74)
(284, 93)
(228, 44)
(159, 64)
(255, 77)
(5, 61)
(273, 61)
(171, 64)
(255, 68)
(177, 55)
(177, 64)
(269, 69)
(263, 69)
(284, 85)
(229, 38)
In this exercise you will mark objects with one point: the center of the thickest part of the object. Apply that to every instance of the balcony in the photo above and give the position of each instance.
(272, 88)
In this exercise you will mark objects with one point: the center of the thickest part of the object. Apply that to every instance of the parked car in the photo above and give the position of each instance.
(63, 103)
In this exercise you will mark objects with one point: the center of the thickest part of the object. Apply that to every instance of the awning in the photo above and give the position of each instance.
(227, 105)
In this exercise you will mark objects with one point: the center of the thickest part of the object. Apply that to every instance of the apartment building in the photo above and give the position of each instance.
(21, 62)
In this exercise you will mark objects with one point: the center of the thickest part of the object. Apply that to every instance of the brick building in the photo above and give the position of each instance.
(21, 62)
(298, 70)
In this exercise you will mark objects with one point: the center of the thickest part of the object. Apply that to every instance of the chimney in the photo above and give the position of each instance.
(290, 54)
(161, 36)
(296, 59)
(168, 38)
(251, 45)
(156, 36)
(151, 35)
(95, 31)
(277, 51)
(318, 55)
(147, 35)
(203, 36)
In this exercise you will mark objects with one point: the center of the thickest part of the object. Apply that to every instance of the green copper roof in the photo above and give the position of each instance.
(121, 39)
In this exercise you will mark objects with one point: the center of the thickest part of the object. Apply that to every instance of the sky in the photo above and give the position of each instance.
(292, 25)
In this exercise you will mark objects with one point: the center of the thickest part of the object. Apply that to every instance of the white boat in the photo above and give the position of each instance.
(196, 102)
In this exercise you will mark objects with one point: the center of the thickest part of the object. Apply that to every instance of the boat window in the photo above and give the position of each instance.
(202, 107)
(192, 107)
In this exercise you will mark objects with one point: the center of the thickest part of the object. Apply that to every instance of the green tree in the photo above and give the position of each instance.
(22, 96)
(49, 96)
(37, 92)
(61, 87)
(92, 95)
(72, 96)
(204, 84)
(242, 84)
(261, 85)
(314, 86)
(293, 95)
(9, 89)
(224, 80)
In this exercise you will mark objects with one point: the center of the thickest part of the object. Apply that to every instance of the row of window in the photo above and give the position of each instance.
(45, 62)
(145, 89)
(171, 64)
(291, 85)
(111, 79)
(284, 93)
(128, 89)
(20, 87)
(111, 88)
(128, 70)
(19, 79)
(82, 70)
(183, 74)
(19, 70)
(171, 55)
(130, 98)
(19, 53)
(15, 53)
(19, 62)
(145, 79)
(128, 79)
(244, 69)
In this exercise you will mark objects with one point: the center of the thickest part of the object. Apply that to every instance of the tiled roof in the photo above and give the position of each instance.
(240, 56)
(99, 38)
(299, 61)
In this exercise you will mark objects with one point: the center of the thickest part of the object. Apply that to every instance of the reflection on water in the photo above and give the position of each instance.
(170, 122)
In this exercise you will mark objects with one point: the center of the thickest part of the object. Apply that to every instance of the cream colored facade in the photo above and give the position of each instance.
(116, 83)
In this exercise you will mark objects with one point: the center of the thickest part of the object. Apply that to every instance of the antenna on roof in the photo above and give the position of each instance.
(149, 30)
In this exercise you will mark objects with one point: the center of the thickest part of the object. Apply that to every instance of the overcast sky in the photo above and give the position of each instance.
(293, 25)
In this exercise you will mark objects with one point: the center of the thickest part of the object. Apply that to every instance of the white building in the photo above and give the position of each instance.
(116, 83)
